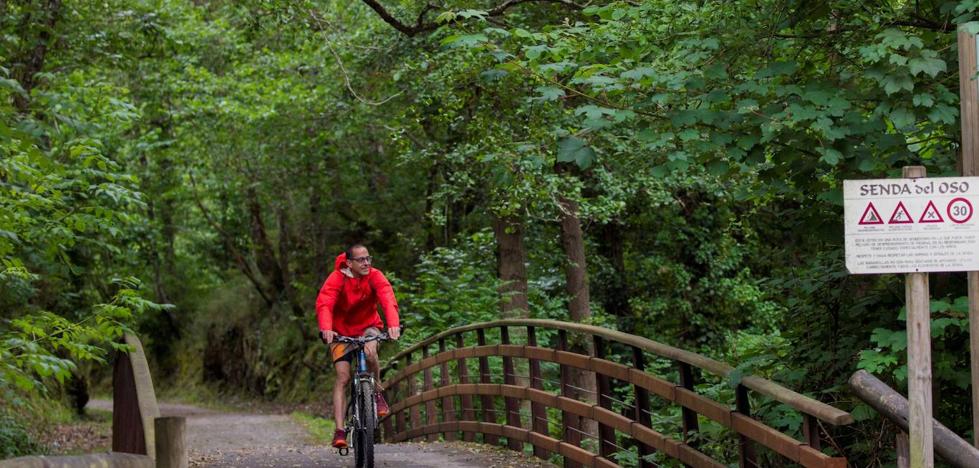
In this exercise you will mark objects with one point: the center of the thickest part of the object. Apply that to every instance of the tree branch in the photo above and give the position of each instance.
(421, 25)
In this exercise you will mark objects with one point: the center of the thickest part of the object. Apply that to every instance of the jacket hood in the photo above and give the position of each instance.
(341, 265)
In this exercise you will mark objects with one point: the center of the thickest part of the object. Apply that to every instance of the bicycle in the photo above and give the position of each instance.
(362, 406)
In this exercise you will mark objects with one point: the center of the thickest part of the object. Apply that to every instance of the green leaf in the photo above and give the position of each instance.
(549, 93)
(895, 83)
(535, 52)
(445, 17)
(942, 113)
(931, 66)
(638, 73)
(923, 100)
(574, 149)
(734, 377)
(464, 41)
(830, 156)
(902, 117)
(13, 85)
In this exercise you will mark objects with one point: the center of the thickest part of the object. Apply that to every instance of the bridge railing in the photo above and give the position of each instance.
(450, 406)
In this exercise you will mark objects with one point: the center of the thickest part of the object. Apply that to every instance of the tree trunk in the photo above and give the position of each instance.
(575, 267)
(576, 272)
(268, 265)
(616, 291)
(512, 266)
(285, 244)
(32, 60)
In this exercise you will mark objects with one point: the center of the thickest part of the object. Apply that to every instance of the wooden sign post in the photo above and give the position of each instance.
(969, 163)
(918, 305)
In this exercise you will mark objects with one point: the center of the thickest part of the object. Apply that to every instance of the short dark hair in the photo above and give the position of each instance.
(350, 250)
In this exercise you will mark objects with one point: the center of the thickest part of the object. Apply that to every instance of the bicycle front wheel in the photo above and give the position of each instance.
(368, 422)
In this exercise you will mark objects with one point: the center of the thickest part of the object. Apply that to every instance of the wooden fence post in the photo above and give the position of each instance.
(511, 404)
(399, 417)
(690, 424)
(489, 408)
(416, 411)
(746, 450)
(430, 417)
(538, 414)
(642, 406)
(969, 163)
(171, 448)
(606, 434)
(810, 431)
(572, 423)
(448, 403)
(468, 414)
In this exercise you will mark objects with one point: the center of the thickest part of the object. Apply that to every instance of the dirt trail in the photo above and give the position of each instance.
(217, 439)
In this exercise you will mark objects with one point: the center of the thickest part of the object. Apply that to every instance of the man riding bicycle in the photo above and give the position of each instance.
(347, 306)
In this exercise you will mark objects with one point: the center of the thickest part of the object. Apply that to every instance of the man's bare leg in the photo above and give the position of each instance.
(370, 349)
(339, 391)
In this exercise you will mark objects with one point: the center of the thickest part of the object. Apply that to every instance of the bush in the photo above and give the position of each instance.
(15, 441)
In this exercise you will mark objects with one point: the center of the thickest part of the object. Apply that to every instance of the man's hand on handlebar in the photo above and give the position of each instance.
(327, 336)
(394, 333)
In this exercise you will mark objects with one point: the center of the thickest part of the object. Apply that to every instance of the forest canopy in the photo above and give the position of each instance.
(188, 170)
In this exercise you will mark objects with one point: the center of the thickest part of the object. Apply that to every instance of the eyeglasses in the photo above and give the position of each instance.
(367, 259)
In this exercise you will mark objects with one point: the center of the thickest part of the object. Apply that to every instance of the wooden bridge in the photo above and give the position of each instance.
(520, 392)
(622, 408)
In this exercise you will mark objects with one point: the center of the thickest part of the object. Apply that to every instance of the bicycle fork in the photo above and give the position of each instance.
(353, 405)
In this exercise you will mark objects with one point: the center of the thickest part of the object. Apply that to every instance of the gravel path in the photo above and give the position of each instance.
(217, 439)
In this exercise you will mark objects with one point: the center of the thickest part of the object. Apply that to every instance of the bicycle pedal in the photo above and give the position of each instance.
(344, 451)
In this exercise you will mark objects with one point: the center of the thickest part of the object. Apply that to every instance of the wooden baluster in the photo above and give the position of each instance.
(416, 411)
(511, 404)
(642, 406)
(810, 431)
(690, 423)
(468, 414)
(389, 395)
(448, 403)
(538, 413)
(571, 422)
(399, 417)
(746, 449)
(606, 434)
(430, 417)
(489, 408)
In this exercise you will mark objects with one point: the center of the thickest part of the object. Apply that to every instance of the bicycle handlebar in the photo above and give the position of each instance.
(361, 340)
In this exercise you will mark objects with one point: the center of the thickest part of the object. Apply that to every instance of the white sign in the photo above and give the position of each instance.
(911, 225)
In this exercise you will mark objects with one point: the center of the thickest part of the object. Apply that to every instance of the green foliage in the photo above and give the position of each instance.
(44, 346)
(949, 325)
(320, 429)
(224, 153)
(14, 439)
(454, 287)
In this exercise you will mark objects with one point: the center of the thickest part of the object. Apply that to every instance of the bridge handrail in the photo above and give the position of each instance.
(766, 387)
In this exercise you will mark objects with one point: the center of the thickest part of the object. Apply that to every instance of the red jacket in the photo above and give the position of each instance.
(348, 305)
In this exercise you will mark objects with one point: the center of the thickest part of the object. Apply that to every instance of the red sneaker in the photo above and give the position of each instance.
(340, 438)
(382, 406)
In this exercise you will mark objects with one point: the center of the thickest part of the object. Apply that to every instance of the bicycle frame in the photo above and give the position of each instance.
(362, 374)
(361, 420)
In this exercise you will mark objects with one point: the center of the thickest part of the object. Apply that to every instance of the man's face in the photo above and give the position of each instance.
(360, 263)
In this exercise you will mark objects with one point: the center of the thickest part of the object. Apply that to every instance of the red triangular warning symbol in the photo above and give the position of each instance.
(900, 215)
(871, 216)
(931, 214)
